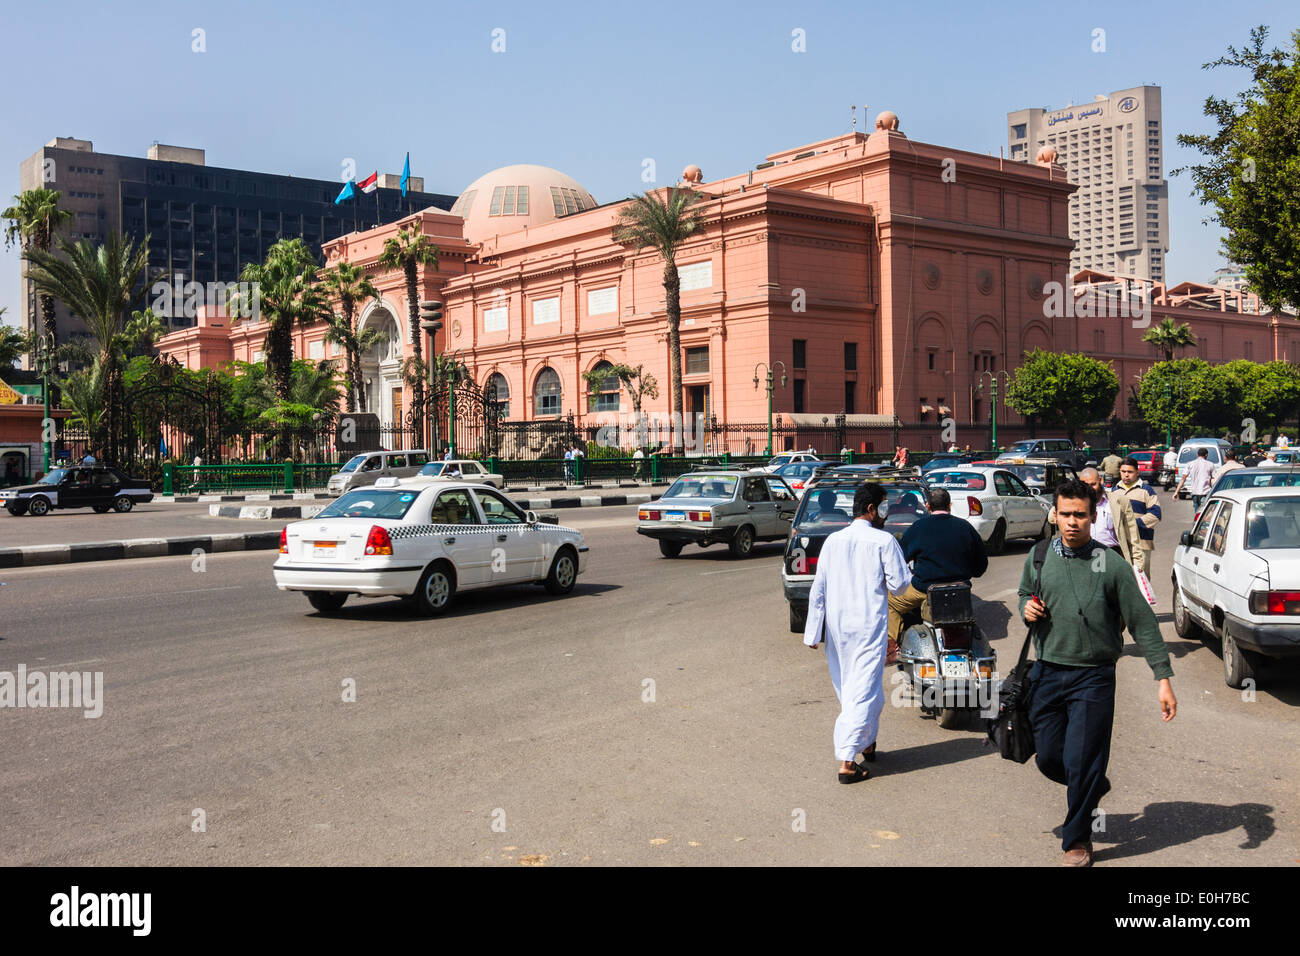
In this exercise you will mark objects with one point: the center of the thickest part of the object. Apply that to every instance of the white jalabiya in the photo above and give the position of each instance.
(858, 568)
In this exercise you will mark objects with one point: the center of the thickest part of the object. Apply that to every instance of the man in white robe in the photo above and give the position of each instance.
(859, 567)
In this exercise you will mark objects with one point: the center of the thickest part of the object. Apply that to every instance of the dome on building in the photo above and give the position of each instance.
(512, 197)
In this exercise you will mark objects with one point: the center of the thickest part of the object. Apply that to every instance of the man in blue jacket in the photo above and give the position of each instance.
(942, 549)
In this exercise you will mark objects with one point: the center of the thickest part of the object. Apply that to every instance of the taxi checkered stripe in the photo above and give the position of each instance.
(427, 530)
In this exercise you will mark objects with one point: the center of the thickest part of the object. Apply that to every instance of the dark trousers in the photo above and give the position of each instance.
(1072, 713)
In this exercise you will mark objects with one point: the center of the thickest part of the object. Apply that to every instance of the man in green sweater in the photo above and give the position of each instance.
(1086, 594)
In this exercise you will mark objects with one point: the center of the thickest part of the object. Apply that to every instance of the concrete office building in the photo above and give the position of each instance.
(1111, 148)
(204, 223)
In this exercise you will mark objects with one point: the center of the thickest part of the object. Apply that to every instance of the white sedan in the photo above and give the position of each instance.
(425, 542)
(1237, 577)
(996, 503)
(459, 469)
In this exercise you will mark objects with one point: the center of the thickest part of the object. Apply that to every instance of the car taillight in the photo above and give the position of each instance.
(644, 515)
(973, 504)
(796, 484)
(925, 670)
(284, 540)
(378, 541)
(699, 515)
(1275, 602)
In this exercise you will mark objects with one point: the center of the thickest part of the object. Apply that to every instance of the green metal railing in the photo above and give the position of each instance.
(235, 479)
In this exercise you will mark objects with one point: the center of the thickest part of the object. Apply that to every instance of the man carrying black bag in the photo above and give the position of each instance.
(1086, 594)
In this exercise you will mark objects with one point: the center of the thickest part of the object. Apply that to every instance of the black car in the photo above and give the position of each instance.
(78, 486)
(827, 507)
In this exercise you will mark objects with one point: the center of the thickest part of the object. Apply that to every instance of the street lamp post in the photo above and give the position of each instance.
(452, 375)
(431, 322)
(45, 358)
(993, 397)
(770, 386)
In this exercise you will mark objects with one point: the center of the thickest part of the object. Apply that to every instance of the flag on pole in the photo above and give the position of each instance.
(370, 183)
(349, 190)
(406, 174)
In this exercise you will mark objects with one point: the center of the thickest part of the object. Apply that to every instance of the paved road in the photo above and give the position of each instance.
(145, 521)
(527, 711)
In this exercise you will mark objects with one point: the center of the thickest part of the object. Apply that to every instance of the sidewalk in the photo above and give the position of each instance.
(579, 490)
(300, 511)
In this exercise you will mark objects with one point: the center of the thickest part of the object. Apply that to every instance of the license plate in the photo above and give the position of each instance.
(956, 665)
(324, 549)
(674, 516)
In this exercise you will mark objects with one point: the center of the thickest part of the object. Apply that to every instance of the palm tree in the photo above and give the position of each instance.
(407, 251)
(664, 223)
(349, 284)
(14, 343)
(1169, 335)
(34, 220)
(98, 283)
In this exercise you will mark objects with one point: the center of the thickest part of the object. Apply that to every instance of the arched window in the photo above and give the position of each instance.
(547, 393)
(605, 399)
(501, 401)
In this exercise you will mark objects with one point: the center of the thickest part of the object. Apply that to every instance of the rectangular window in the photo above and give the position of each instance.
(557, 201)
(850, 356)
(849, 390)
(546, 310)
(495, 208)
(798, 394)
(521, 202)
(800, 353)
(929, 358)
(508, 206)
(697, 360)
(696, 275)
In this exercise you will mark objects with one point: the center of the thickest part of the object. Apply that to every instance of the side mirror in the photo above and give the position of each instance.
(530, 517)
(1185, 539)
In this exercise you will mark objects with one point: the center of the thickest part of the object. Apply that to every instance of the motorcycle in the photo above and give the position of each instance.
(1168, 478)
(947, 663)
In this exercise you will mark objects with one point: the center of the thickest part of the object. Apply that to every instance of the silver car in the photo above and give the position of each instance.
(711, 507)
(369, 466)
(995, 502)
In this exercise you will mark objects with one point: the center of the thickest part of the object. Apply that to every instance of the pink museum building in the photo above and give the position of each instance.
(887, 276)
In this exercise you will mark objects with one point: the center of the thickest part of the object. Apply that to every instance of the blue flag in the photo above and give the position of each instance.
(406, 174)
(348, 192)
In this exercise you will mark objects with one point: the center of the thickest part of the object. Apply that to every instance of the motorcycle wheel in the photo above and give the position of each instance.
(949, 717)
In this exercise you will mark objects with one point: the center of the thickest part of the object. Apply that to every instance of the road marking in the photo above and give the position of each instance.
(759, 567)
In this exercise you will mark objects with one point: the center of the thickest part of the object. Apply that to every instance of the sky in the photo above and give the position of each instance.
(593, 89)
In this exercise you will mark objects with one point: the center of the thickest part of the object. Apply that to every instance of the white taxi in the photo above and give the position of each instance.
(424, 542)
(995, 502)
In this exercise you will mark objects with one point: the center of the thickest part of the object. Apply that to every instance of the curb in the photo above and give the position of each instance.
(303, 512)
(136, 548)
(322, 496)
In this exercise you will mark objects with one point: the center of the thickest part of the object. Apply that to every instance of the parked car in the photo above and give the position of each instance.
(100, 487)
(948, 460)
(369, 466)
(788, 458)
(1062, 449)
(826, 508)
(1236, 576)
(1187, 454)
(1285, 455)
(716, 505)
(1271, 477)
(426, 542)
(1150, 464)
(996, 503)
(1040, 475)
(459, 469)
(798, 473)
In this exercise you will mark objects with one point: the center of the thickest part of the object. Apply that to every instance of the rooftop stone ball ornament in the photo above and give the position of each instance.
(888, 122)
(1046, 156)
(691, 174)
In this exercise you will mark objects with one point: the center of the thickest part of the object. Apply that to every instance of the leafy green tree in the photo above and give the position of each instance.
(1268, 393)
(1170, 335)
(1186, 392)
(663, 222)
(350, 285)
(14, 344)
(1250, 177)
(33, 220)
(407, 251)
(1063, 389)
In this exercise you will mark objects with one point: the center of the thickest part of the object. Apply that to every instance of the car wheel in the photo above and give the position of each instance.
(1237, 665)
(1045, 532)
(38, 506)
(1183, 623)
(123, 503)
(742, 545)
(436, 587)
(798, 619)
(100, 509)
(327, 602)
(564, 573)
(670, 549)
(998, 539)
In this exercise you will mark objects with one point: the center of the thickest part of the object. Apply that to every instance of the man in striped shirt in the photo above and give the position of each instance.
(1146, 508)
